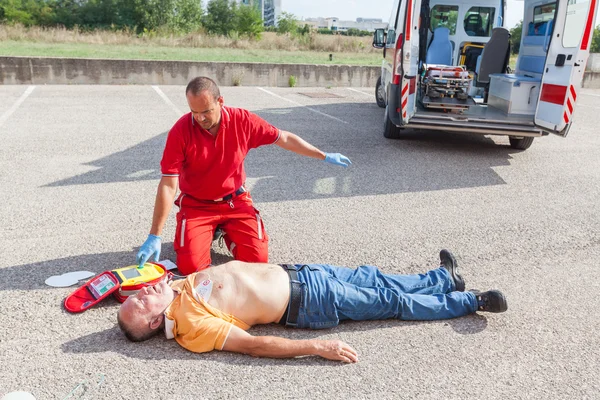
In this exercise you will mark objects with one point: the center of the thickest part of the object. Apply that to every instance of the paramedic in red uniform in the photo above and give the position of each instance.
(205, 154)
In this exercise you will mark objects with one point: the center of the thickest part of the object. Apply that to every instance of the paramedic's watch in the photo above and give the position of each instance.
(337, 159)
(150, 247)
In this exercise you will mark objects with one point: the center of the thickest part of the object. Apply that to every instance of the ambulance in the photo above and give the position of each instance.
(446, 67)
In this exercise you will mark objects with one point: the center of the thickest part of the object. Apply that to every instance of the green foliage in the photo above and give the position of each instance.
(325, 31)
(292, 81)
(515, 37)
(26, 12)
(249, 21)
(220, 17)
(595, 47)
(286, 23)
(187, 16)
(305, 30)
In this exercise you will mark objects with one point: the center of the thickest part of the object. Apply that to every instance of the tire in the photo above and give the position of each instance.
(390, 131)
(520, 143)
(380, 93)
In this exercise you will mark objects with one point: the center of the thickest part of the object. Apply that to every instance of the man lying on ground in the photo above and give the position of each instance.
(213, 308)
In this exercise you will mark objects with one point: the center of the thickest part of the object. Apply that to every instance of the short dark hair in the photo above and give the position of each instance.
(202, 83)
(131, 334)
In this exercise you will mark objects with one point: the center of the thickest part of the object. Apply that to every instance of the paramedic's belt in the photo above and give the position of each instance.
(290, 317)
(230, 196)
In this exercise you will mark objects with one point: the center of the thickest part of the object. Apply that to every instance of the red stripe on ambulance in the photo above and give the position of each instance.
(408, 20)
(573, 93)
(588, 26)
(554, 94)
(570, 103)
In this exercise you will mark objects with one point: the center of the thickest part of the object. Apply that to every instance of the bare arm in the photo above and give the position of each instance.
(165, 194)
(291, 142)
(240, 341)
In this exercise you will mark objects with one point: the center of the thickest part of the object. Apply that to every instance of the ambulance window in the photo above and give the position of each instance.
(577, 11)
(542, 17)
(445, 17)
(479, 20)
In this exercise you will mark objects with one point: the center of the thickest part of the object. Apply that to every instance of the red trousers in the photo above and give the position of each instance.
(245, 233)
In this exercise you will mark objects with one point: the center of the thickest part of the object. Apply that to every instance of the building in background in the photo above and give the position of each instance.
(335, 24)
(269, 9)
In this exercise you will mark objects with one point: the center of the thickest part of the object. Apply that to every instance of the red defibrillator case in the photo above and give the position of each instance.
(121, 282)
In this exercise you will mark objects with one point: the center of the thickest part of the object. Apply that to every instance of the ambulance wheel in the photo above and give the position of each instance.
(380, 93)
(520, 143)
(390, 131)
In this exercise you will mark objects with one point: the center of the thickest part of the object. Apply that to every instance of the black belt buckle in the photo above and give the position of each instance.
(293, 309)
(240, 190)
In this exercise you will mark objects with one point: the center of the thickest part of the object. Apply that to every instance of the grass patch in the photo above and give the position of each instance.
(148, 52)
(310, 49)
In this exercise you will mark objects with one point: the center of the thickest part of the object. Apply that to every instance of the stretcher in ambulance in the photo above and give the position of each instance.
(446, 67)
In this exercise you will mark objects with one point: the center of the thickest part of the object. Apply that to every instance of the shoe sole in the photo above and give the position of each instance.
(448, 258)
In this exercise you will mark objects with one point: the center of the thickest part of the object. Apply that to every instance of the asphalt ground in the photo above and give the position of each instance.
(79, 166)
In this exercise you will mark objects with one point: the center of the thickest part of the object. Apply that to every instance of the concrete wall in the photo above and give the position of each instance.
(591, 78)
(45, 70)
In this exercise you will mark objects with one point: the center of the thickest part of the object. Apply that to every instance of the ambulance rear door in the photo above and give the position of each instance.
(568, 51)
(410, 59)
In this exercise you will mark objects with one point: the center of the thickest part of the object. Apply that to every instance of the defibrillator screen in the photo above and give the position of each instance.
(130, 273)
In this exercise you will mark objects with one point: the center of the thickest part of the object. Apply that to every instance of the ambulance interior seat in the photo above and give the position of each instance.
(538, 35)
(530, 64)
(474, 25)
(494, 57)
(440, 48)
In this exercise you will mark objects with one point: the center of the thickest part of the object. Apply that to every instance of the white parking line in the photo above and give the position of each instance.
(591, 94)
(302, 105)
(167, 100)
(360, 91)
(14, 107)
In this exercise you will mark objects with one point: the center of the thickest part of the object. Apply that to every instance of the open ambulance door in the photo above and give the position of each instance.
(408, 71)
(568, 52)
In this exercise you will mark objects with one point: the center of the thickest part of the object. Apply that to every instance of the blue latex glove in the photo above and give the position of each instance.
(337, 159)
(150, 247)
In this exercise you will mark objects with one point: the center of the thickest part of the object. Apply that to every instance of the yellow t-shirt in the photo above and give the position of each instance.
(195, 324)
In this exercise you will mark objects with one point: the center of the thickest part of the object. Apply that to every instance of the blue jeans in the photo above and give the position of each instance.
(333, 294)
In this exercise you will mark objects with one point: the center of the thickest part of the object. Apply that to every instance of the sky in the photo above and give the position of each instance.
(352, 9)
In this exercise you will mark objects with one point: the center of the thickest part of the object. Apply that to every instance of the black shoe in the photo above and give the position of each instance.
(490, 301)
(449, 262)
(218, 233)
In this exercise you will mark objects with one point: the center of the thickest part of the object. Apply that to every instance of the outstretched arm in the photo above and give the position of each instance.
(291, 142)
(240, 341)
(165, 194)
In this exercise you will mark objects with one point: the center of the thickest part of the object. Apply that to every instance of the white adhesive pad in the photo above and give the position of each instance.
(68, 279)
(168, 264)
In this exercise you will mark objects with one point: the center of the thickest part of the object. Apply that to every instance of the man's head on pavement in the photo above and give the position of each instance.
(141, 316)
(205, 101)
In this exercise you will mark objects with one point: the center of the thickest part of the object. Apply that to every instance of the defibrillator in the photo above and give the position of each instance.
(120, 282)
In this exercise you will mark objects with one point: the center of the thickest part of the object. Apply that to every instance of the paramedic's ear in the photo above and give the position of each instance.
(156, 321)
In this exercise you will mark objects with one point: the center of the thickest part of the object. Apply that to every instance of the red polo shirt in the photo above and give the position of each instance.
(210, 167)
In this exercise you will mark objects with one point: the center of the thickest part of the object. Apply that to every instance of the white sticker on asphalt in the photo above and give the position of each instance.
(14, 107)
(302, 105)
(167, 100)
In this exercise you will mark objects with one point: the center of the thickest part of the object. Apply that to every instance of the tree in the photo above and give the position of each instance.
(220, 17)
(187, 15)
(286, 23)
(26, 12)
(595, 47)
(249, 21)
(515, 37)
